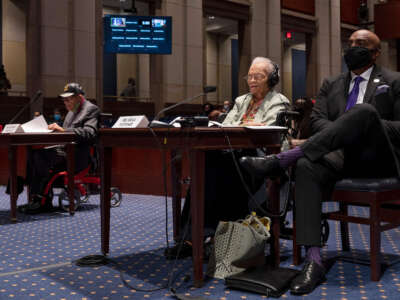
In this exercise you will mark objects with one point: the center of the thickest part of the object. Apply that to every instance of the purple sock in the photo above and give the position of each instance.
(314, 254)
(289, 157)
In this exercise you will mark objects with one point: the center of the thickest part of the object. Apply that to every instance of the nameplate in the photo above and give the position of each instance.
(131, 122)
(12, 128)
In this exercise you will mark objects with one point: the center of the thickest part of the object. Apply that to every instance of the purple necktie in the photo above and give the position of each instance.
(352, 99)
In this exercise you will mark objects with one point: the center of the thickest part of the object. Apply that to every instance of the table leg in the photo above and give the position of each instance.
(176, 176)
(197, 161)
(71, 172)
(105, 197)
(12, 152)
(274, 207)
(28, 187)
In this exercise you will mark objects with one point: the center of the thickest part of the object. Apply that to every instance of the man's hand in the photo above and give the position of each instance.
(56, 127)
(296, 142)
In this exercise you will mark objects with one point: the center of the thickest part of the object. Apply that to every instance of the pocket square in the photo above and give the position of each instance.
(381, 89)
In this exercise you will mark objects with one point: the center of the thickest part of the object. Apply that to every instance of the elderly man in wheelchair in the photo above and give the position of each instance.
(82, 119)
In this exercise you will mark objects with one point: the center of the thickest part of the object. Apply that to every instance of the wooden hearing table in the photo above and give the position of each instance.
(13, 140)
(195, 141)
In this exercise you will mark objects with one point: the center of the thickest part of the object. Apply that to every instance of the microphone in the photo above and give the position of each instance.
(156, 123)
(37, 95)
(290, 113)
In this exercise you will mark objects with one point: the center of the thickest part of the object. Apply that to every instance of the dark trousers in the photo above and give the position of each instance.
(367, 152)
(225, 197)
(41, 166)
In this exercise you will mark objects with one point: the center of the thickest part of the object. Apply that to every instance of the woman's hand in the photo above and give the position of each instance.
(56, 127)
(253, 124)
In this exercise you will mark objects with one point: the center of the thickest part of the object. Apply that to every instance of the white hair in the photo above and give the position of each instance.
(266, 62)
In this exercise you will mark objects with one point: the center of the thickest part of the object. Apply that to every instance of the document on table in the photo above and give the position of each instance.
(265, 127)
(214, 123)
(36, 125)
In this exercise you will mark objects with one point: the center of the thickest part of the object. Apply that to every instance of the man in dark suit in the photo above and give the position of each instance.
(82, 118)
(356, 133)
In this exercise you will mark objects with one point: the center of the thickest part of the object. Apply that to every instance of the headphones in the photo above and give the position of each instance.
(273, 77)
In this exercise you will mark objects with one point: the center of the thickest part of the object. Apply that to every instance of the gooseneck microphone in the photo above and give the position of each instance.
(37, 95)
(156, 123)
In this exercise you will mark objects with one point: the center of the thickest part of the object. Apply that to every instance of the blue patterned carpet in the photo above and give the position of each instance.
(37, 254)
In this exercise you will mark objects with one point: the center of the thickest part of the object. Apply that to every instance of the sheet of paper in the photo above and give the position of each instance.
(215, 123)
(265, 127)
(36, 125)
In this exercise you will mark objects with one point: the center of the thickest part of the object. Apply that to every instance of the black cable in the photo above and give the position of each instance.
(171, 278)
(101, 260)
(254, 201)
(164, 174)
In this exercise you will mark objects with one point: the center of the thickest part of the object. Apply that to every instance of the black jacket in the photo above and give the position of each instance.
(383, 92)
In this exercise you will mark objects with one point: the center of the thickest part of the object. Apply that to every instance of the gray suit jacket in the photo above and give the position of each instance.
(273, 103)
(85, 124)
(383, 92)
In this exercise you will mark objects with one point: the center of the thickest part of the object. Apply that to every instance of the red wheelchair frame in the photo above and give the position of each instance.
(81, 180)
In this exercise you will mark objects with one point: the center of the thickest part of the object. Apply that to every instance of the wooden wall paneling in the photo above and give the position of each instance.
(140, 171)
(128, 108)
(349, 11)
(185, 110)
(135, 171)
(292, 23)
(4, 165)
(387, 21)
(10, 106)
(303, 6)
(226, 9)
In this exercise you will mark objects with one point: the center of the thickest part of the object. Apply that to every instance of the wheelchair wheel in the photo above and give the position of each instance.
(116, 197)
(63, 200)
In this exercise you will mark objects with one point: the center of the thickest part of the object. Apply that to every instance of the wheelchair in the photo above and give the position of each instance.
(86, 182)
(82, 183)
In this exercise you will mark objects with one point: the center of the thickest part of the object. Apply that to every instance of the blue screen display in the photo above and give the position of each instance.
(137, 34)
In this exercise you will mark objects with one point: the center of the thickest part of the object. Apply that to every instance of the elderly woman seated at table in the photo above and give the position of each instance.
(225, 197)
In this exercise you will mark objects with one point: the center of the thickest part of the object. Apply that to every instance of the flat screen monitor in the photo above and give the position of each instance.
(137, 34)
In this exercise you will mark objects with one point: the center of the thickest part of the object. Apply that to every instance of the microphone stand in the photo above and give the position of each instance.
(33, 100)
(157, 123)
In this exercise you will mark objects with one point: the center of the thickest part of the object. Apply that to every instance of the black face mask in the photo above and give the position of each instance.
(357, 57)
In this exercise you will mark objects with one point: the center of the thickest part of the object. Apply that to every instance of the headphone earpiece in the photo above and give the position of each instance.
(273, 77)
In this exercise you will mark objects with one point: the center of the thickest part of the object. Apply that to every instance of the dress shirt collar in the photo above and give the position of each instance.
(365, 75)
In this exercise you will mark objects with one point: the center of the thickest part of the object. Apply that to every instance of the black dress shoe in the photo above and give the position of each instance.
(36, 208)
(22, 208)
(310, 277)
(30, 205)
(262, 166)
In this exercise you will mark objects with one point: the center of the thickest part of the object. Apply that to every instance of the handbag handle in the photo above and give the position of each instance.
(254, 218)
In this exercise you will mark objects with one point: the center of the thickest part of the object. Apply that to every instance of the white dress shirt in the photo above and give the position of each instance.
(363, 84)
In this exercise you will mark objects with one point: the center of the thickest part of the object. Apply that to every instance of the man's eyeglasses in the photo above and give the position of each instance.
(256, 77)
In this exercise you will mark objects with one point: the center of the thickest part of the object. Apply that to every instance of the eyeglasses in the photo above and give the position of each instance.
(256, 77)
